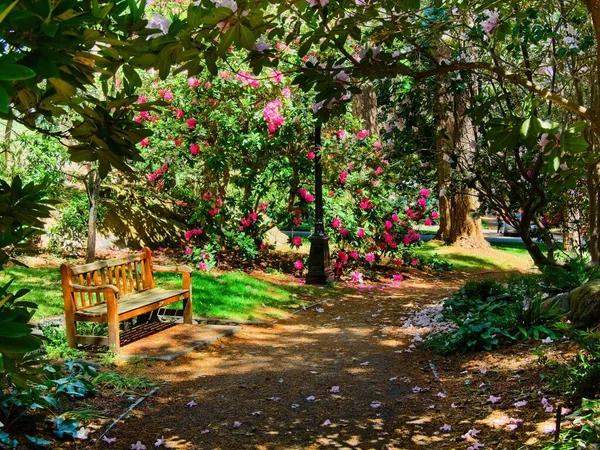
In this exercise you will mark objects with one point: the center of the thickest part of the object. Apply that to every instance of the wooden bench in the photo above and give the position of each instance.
(116, 290)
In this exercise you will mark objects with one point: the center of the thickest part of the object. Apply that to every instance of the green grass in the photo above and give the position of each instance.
(471, 260)
(516, 248)
(44, 285)
(234, 295)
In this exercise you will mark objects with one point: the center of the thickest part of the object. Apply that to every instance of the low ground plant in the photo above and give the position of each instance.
(487, 313)
(585, 433)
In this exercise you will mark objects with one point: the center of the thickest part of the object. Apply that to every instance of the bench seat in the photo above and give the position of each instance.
(148, 300)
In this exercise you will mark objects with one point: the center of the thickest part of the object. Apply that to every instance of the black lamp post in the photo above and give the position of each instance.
(318, 260)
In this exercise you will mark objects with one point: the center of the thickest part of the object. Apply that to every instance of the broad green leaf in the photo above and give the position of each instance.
(570, 143)
(12, 72)
(4, 13)
(245, 36)
(216, 15)
(577, 127)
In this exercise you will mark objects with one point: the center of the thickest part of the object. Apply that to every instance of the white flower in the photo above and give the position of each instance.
(375, 404)
(335, 389)
(158, 22)
(492, 399)
(310, 398)
(138, 446)
(231, 4)
(491, 22)
(446, 428)
(520, 404)
(326, 423)
(82, 433)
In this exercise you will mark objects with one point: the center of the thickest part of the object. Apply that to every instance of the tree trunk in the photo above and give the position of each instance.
(6, 144)
(593, 181)
(92, 188)
(455, 136)
(364, 105)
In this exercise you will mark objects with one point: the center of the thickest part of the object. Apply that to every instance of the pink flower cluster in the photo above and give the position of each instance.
(246, 79)
(305, 195)
(191, 233)
(296, 241)
(297, 217)
(246, 222)
(160, 172)
(411, 236)
(273, 117)
(344, 177)
(365, 204)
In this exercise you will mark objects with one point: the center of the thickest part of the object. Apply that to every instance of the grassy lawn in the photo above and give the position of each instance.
(233, 295)
(475, 260)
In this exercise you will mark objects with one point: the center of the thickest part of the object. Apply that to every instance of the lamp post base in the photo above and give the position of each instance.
(318, 260)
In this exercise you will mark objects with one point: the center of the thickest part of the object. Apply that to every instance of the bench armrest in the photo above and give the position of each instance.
(99, 288)
(181, 269)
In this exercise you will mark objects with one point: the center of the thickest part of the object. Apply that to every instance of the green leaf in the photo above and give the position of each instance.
(245, 37)
(216, 15)
(4, 13)
(576, 127)
(38, 441)
(12, 72)
(570, 143)
(21, 345)
(226, 40)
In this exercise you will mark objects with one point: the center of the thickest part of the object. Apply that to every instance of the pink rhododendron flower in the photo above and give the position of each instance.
(202, 266)
(362, 134)
(219, 202)
(191, 123)
(343, 232)
(309, 198)
(179, 113)
(414, 262)
(427, 221)
(145, 142)
(297, 241)
(377, 144)
(168, 96)
(395, 218)
(207, 196)
(281, 46)
(208, 85)
(188, 251)
(311, 155)
(276, 76)
(246, 79)
(142, 99)
(151, 177)
(360, 233)
(356, 277)
(194, 149)
(342, 256)
(353, 254)
(343, 177)
(193, 82)
(424, 192)
(286, 92)
(213, 212)
(341, 134)
(336, 223)
(422, 201)
(397, 277)
(434, 215)
(263, 206)
(388, 225)
(369, 257)
(225, 75)
(298, 265)
(178, 142)
(491, 22)
(144, 115)
(331, 194)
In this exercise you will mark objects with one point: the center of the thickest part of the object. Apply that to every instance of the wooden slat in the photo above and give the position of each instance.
(82, 295)
(98, 296)
(103, 276)
(130, 277)
(134, 303)
(136, 272)
(84, 268)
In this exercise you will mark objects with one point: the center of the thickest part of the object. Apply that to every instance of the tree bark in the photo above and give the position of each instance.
(92, 188)
(455, 136)
(364, 105)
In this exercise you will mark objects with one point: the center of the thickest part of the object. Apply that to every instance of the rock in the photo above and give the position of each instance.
(585, 305)
(559, 304)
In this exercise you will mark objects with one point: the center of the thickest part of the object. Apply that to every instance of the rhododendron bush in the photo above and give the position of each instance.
(235, 155)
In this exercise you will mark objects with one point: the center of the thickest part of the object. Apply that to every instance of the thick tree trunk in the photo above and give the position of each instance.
(593, 186)
(364, 105)
(6, 144)
(93, 192)
(455, 136)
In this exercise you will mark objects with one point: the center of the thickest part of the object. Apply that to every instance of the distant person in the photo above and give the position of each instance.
(500, 221)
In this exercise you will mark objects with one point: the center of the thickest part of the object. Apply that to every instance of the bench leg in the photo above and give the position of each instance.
(113, 323)
(71, 329)
(187, 302)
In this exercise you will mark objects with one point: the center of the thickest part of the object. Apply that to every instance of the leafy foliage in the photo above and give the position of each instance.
(586, 421)
(486, 313)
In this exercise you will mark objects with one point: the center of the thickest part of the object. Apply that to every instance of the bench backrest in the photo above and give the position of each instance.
(129, 275)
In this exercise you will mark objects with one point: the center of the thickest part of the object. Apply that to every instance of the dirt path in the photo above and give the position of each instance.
(341, 376)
